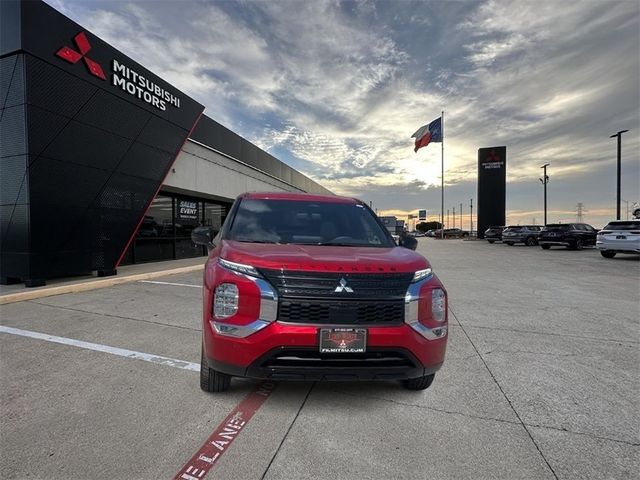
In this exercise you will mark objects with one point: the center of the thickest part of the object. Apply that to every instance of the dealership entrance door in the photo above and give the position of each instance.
(165, 231)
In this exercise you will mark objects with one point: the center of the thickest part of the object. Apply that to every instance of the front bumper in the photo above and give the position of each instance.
(286, 363)
(282, 350)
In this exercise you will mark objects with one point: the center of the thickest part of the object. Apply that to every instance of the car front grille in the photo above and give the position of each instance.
(323, 285)
(342, 312)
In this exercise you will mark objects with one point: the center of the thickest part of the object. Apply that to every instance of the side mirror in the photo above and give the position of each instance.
(408, 241)
(203, 236)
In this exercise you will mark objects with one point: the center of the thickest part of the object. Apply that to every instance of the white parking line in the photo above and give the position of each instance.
(170, 283)
(121, 352)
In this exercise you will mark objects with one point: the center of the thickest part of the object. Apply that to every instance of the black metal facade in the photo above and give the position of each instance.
(492, 178)
(81, 158)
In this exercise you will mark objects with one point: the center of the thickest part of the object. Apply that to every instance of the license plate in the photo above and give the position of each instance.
(621, 237)
(343, 340)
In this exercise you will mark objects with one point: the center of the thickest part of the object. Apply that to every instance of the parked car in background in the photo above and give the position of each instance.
(493, 234)
(571, 235)
(527, 234)
(619, 236)
(451, 233)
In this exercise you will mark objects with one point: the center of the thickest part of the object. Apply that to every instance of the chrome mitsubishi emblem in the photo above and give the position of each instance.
(343, 287)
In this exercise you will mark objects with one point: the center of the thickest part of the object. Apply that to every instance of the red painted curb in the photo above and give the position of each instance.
(224, 434)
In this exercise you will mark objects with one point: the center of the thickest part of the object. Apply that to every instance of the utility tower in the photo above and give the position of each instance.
(580, 211)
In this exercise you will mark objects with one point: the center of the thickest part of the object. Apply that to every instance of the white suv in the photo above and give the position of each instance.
(619, 236)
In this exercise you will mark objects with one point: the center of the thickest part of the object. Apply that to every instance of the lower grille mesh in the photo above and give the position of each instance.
(342, 313)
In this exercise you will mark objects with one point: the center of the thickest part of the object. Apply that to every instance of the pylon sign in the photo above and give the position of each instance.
(492, 177)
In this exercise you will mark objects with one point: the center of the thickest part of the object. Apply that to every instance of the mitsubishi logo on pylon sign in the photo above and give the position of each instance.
(72, 56)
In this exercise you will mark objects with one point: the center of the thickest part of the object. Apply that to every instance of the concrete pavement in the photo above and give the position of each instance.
(540, 381)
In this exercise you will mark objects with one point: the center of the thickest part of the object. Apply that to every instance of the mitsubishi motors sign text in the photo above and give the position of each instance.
(137, 85)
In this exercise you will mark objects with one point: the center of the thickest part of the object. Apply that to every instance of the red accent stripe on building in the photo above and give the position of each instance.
(157, 190)
(224, 435)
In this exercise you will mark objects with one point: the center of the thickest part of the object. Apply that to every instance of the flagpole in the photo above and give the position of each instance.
(442, 179)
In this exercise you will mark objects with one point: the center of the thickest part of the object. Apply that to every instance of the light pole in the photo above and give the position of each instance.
(454, 217)
(619, 135)
(470, 215)
(544, 180)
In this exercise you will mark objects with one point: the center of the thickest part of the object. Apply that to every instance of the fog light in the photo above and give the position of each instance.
(225, 302)
(438, 305)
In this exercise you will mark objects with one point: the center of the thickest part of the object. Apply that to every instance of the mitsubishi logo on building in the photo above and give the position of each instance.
(343, 287)
(72, 56)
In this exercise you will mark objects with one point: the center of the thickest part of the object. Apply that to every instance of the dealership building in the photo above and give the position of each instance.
(104, 163)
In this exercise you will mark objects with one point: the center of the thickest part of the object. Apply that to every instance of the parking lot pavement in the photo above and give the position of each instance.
(540, 381)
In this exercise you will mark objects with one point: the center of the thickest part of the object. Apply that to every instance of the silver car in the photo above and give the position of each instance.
(619, 236)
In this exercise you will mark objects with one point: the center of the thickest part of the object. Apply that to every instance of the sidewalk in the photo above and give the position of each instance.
(129, 273)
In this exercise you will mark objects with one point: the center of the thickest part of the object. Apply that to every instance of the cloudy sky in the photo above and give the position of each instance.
(335, 89)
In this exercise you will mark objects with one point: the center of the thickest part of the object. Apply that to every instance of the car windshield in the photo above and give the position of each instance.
(564, 227)
(304, 222)
(630, 225)
(513, 229)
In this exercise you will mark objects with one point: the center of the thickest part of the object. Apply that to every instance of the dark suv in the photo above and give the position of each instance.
(527, 234)
(313, 287)
(570, 235)
(493, 234)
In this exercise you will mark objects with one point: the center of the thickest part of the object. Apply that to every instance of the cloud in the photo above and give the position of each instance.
(336, 88)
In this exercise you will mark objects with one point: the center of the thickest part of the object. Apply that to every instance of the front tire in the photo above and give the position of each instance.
(530, 242)
(491, 241)
(607, 253)
(545, 247)
(211, 380)
(420, 383)
(509, 243)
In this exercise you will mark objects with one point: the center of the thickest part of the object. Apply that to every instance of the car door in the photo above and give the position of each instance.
(574, 233)
(583, 233)
(591, 235)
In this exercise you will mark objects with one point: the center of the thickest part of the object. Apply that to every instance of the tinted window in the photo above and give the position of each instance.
(630, 225)
(307, 223)
(559, 226)
(513, 229)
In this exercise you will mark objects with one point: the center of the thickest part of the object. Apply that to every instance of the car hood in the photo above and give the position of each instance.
(323, 258)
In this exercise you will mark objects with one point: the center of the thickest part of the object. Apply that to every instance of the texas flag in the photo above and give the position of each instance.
(428, 133)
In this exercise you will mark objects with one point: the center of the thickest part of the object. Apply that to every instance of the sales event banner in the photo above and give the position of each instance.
(187, 212)
(492, 177)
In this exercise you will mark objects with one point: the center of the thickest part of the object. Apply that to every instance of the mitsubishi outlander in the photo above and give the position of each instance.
(313, 287)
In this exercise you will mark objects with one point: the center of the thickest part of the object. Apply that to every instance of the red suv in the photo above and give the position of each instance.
(311, 287)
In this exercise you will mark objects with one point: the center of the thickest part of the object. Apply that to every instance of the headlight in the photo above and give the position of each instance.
(239, 267)
(420, 274)
(225, 301)
(438, 305)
